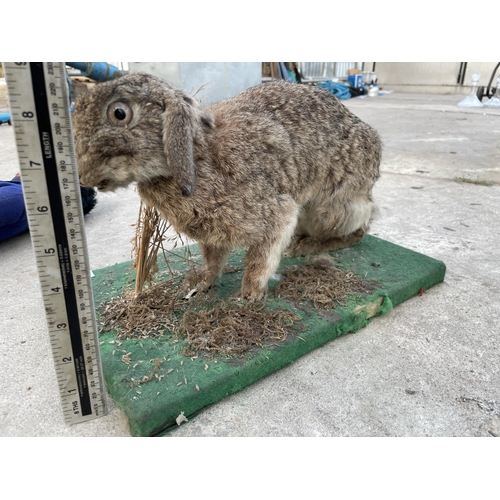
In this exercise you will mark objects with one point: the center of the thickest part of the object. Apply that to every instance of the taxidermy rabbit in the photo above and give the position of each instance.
(279, 167)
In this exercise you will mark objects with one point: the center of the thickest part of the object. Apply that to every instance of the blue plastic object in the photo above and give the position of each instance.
(337, 89)
(98, 71)
(5, 118)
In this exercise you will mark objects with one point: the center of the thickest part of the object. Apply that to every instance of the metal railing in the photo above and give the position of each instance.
(318, 71)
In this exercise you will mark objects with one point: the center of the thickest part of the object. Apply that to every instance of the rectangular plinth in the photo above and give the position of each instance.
(185, 385)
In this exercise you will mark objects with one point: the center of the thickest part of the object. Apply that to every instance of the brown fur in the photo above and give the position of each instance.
(280, 165)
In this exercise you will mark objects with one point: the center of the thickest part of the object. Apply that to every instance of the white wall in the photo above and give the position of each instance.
(430, 77)
(221, 80)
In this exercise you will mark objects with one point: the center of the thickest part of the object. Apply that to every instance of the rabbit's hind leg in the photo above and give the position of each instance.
(333, 226)
(263, 258)
(309, 245)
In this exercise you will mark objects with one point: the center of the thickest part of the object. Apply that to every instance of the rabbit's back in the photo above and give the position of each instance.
(295, 137)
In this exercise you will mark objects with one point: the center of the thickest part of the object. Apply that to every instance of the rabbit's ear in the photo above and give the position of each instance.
(178, 133)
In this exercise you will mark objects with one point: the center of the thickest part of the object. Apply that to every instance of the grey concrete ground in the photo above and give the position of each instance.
(431, 367)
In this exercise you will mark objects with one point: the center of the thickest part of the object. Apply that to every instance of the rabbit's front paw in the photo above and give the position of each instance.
(252, 292)
(197, 280)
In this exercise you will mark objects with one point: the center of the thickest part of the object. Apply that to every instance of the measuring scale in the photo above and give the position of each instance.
(39, 106)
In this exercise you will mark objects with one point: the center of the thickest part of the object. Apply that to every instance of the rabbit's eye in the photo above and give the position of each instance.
(120, 114)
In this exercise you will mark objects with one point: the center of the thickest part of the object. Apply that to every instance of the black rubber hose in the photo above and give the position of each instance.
(491, 80)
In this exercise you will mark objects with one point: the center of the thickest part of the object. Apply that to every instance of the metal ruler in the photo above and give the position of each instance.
(41, 117)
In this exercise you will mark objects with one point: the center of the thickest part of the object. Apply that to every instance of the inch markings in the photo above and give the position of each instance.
(58, 220)
(44, 136)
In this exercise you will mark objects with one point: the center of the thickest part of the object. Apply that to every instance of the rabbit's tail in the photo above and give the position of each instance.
(358, 214)
(336, 216)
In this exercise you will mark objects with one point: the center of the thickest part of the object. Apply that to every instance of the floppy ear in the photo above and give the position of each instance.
(178, 132)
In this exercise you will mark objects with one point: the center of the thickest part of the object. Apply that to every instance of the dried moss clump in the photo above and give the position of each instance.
(232, 328)
(325, 286)
(229, 328)
(213, 326)
(145, 315)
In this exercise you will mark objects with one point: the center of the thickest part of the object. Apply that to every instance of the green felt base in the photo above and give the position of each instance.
(190, 384)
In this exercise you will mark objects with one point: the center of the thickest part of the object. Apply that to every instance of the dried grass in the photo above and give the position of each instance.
(323, 285)
(145, 315)
(227, 327)
(150, 233)
(233, 327)
(150, 307)
(212, 326)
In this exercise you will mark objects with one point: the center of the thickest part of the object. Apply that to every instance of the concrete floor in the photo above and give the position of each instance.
(431, 367)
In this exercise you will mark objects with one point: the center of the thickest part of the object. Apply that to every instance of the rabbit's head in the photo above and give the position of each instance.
(133, 129)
